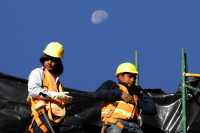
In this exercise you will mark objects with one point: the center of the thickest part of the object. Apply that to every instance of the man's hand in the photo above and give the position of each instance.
(126, 97)
(61, 96)
(138, 90)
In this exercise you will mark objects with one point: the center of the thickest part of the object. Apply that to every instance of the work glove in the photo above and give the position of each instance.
(61, 96)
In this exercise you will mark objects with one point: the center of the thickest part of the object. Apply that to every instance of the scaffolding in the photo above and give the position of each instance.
(185, 75)
(137, 68)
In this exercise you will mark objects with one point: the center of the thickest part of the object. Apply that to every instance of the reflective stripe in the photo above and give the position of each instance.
(131, 105)
(55, 109)
(119, 111)
(38, 105)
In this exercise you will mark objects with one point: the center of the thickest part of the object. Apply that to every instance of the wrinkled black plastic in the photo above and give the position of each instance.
(85, 115)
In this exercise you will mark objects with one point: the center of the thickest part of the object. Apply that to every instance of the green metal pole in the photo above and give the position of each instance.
(137, 67)
(183, 93)
(186, 65)
(186, 70)
(192, 88)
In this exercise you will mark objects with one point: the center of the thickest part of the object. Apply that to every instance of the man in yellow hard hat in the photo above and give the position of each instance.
(46, 94)
(121, 106)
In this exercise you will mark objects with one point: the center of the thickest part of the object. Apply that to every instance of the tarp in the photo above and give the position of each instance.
(85, 115)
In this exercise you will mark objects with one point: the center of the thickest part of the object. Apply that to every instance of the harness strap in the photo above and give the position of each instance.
(116, 122)
(35, 114)
(108, 118)
(39, 123)
(50, 115)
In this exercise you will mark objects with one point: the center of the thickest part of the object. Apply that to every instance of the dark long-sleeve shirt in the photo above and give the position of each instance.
(110, 91)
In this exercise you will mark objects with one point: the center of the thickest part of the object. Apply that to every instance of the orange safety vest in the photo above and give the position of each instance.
(120, 110)
(57, 107)
(54, 107)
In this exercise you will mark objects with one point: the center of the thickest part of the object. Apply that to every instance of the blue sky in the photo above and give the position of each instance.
(157, 29)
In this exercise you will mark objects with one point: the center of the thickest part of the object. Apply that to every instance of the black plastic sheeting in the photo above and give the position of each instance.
(85, 115)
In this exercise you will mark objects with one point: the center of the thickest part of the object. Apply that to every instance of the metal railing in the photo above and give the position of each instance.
(184, 75)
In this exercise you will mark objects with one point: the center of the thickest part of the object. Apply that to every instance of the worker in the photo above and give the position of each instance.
(123, 102)
(46, 94)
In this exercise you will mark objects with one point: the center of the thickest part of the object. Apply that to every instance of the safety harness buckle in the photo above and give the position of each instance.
(139, 111)
(110, 112)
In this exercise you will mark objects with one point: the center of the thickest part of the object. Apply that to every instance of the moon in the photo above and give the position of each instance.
(99, 16)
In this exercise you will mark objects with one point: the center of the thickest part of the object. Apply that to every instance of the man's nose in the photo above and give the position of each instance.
(49, 61)
(132, 79)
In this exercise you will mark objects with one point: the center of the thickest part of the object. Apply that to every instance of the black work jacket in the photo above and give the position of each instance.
(109, 90)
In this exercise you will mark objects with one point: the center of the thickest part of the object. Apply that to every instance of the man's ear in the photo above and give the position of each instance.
(120, 76)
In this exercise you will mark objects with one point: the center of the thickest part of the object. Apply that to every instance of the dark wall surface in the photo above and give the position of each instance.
(85, 115)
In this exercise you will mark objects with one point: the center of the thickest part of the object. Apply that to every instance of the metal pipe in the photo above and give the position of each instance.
(45, 116)
(184, 128)
(137, 67)
(192, 88)
(192, 75)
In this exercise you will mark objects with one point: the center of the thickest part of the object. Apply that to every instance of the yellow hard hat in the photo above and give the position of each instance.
(126, 67)
(54, 49)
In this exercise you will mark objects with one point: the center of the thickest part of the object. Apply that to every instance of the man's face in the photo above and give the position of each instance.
(50, 64)
(128, 78)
